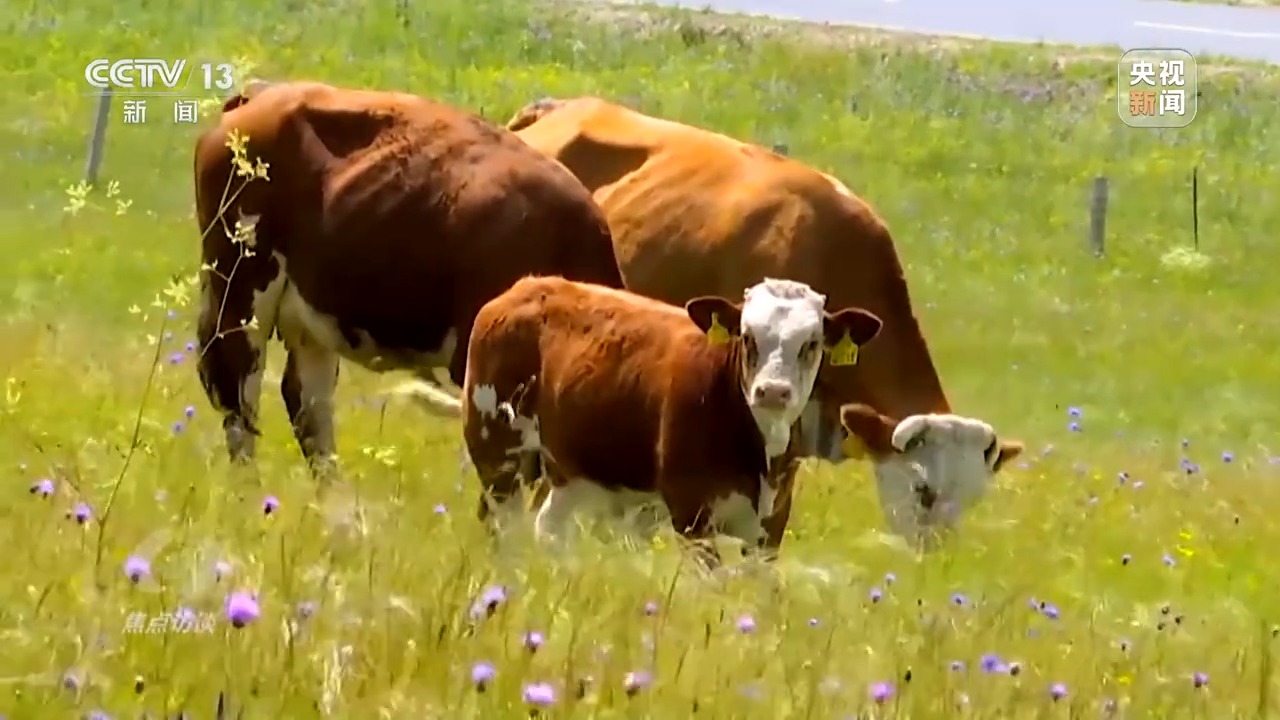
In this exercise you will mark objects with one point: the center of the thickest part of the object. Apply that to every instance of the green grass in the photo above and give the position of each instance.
(980, 157)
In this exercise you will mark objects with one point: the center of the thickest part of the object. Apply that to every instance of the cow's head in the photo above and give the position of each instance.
(532, 113)
(780, 331)
(929, 468)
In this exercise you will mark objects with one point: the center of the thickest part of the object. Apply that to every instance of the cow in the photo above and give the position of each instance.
(385, 222)
(694, 212)
(621, 400)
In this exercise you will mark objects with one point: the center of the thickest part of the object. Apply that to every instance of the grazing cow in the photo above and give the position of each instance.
(624, 399)
(695, 212)
(386, 222)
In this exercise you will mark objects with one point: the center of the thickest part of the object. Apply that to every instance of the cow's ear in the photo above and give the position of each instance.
(532, 113)
(845, 332)
(867, 432)
(715, 316)
(1001, 452)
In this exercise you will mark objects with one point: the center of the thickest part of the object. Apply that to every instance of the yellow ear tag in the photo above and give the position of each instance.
(717, 333)
(853, 448)
(845, 352)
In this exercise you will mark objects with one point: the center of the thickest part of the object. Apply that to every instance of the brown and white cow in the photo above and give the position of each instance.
(624, 399)
(386, 222)
(694, 212)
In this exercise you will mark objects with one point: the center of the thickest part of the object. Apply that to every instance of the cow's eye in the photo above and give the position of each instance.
(809, 349)
(749, 346)
(927, 495)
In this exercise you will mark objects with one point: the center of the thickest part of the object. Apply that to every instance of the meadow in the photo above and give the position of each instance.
(1119, 569)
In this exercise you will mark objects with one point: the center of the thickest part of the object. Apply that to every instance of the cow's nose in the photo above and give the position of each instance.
(772, 394)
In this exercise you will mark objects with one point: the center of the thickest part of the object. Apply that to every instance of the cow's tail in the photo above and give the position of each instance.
(429, 397)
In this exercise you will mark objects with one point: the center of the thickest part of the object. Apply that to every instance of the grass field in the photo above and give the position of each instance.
(1123, 558)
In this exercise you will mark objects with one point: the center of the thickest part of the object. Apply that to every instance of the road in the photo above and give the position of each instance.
(1247, 33)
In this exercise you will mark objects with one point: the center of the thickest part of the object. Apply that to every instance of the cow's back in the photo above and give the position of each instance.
(694, 212)
(400, 216)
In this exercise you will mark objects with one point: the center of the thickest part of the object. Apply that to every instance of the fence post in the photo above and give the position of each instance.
(781, 149)
(1098, 216)
(99, 136)
(1195, 207)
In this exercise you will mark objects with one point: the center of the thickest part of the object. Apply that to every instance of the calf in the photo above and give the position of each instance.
(387, 222)
(624, 399)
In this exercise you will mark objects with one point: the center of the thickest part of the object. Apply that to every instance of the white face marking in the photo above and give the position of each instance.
(530, 437)
(782, 334)
(484, 398)
(733, 515)
(939, 455)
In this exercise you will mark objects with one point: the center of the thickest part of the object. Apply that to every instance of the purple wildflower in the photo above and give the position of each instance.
(81, 512)
(890, 578)
(746, 624)
(959, 599)
(306, 609)
(191, 346)
(136, 568)
(1122, 478)
(957, 665)
(178, 427)
(1227, 456)
(1168, 560)
(440, 509)
(533, 640)
(1050, 611)
(242, 609)
(634, 682)
(1199, 680)
(876, 594)
(1074, 426)
(482, 673)
(44, 488)
(540, 694)
(813, 622)
(189, 412)
(176, 359)
(1057, 691)
(881, 692)
(992, 663)
(1074, 412)
(488, 602)
(221, 570)
(651, 608)
(270, 504)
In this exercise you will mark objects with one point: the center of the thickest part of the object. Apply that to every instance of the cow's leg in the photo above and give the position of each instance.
(774, 521)
(308, 386)
(696, 526)
(566, 500)
(829, 434)
(806, 434)
(239, 303)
